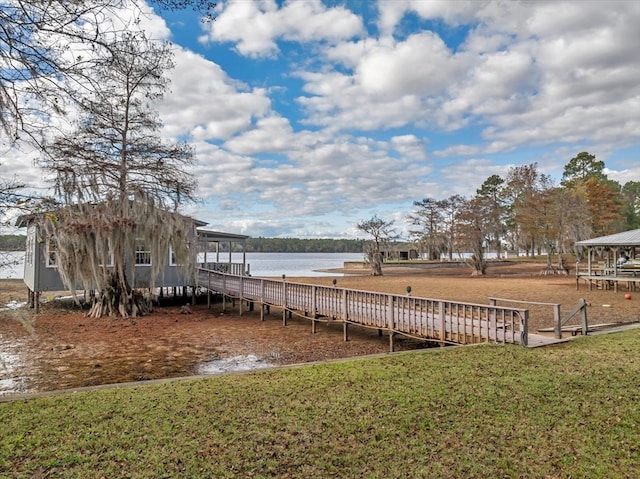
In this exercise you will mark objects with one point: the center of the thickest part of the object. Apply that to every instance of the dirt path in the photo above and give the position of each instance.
(61, 348)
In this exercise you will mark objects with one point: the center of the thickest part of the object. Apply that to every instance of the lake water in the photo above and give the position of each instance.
(260, 264)
(294, 264)
(11, 265)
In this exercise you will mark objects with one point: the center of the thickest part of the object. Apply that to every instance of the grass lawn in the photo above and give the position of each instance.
(571, 410)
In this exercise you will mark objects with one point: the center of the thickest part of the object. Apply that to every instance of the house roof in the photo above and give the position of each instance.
(209, 235)
(626, 238)
(24, 220)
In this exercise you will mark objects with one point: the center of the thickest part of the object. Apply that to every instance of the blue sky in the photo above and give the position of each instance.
(308, 116)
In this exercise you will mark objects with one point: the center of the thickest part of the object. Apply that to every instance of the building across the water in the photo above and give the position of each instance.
(399, 252)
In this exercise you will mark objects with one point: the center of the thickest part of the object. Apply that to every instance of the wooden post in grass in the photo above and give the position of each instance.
(557, 321)
(585, 325)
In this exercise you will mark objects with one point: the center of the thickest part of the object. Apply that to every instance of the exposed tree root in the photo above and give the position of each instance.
(115, 300)
(551, 270)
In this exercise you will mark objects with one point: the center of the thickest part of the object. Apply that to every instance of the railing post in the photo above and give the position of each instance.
(345, 326)
(314, 293)
(585, 325)
(524, 327)
(557, 321)
(224, 293)
(390, 312)
(208, 289)
(284, 300)
(344, 305)
(390, 321)
(241, 294)
(493, 322)
(442, 313)
(262, 300)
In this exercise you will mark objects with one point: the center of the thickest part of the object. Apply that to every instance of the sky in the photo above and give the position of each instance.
(308, 116)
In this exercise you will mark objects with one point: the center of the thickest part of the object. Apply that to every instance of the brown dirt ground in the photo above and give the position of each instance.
(61, 348)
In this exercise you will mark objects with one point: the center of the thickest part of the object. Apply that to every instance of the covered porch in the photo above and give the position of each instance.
(611, 260)
(215, 250)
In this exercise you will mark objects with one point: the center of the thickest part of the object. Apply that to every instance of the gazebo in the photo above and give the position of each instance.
(610, 270)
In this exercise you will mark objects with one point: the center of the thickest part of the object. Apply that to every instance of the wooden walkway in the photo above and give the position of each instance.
(426, 319)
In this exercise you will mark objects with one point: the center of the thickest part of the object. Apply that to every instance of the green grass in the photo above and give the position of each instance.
(571, 410)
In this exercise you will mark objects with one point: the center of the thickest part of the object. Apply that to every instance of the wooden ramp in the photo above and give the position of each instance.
(427, 319)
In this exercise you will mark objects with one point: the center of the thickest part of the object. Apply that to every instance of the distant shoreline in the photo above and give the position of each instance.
(407, 268)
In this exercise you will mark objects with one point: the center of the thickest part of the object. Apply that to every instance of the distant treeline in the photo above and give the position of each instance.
(12, 242)
(256, 245)
(298, 245)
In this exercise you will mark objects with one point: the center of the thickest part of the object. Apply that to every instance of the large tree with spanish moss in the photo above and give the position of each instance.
(119, 184)
(49, 52)
(382, 232)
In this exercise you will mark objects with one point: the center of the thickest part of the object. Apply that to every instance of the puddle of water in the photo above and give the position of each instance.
(13, 304)
(13, 386)
(9, 365)
(237, 363)
(9, 362)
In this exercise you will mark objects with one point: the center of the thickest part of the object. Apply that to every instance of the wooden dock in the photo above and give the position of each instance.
(607, 276)
(608, 281)
(437, 320)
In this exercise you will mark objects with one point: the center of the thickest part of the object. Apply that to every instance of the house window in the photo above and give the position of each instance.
(28, 257)
(143, 255)
(51, 254)
(109, 261)
(172, 257)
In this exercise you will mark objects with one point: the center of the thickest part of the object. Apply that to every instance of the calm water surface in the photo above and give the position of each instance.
(260, 264)
(294, 264)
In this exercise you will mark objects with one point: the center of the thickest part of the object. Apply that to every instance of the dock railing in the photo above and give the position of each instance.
(421, 318)
(558, 320)
(225, 267)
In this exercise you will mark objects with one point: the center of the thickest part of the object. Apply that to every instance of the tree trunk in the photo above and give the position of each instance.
(562, 268)
(118, 299)
(549, 269)
(478, 262)
(375, 261)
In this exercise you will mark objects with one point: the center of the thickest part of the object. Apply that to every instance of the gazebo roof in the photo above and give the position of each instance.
(626, 238)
